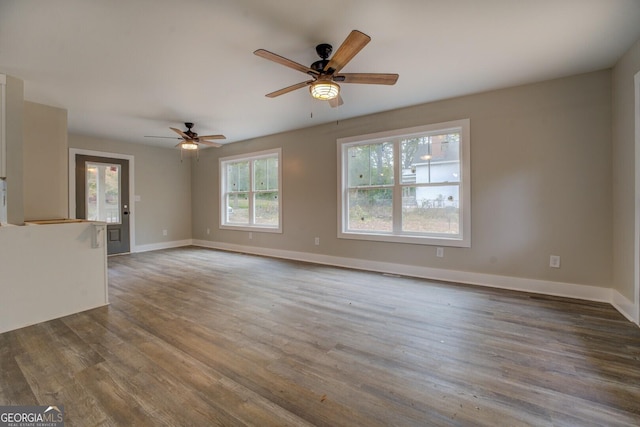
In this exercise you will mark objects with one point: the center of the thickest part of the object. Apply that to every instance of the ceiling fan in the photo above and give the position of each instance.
(190, 139)
(325, 73)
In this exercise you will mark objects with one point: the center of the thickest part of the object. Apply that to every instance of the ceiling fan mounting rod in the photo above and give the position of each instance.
(189, 132)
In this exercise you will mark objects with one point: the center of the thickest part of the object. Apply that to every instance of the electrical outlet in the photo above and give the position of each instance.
(440, 252)
(250, 236)
(208, 231)
(317, 241)
(164, 232)
(554, 261)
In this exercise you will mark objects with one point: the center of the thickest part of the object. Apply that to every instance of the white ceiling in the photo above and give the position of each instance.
(126, 69)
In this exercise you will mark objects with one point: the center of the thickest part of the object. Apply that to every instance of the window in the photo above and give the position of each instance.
(409, 185)
(250, 192)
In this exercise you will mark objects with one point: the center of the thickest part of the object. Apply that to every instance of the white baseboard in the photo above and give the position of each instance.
(624, 306)
(163, 245)
(568, 290)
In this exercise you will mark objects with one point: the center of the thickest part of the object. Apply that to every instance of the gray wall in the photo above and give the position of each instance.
(541, 184)
(624, 165)
(163, 184)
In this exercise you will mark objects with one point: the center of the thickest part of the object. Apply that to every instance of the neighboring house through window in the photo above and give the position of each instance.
(250, 192)
(408, 185)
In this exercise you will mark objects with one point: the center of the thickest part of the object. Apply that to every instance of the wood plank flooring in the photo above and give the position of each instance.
(201, 337)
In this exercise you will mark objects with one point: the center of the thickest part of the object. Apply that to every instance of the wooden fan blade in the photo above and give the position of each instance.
(336, 102)
(367, 78)
(353, 44)
(211, 137)
(284, 61)
(289, 89)
(209, 143)
(167, 137)
(182, 134)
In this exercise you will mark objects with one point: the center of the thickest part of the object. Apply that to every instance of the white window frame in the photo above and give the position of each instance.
(250, 157)
(463, 239)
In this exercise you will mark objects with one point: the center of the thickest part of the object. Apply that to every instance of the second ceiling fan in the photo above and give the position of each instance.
(325, 73)
(190, 139)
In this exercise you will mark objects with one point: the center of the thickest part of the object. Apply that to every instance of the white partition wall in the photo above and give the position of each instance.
(50, 271)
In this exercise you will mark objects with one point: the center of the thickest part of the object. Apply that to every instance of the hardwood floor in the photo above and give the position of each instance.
(201, 337)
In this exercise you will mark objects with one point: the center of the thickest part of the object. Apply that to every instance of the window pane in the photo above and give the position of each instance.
(371, 210)
(266, 208)
(238, 208)
(238, 176)
(265, 172)
(91, 184)
(431, 159)
(431, 209)
(370, 164)
(103, 192)
(112, 194)
(411, 150)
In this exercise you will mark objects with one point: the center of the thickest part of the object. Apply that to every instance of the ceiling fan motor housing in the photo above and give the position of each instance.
(319, 65)
(324, 51)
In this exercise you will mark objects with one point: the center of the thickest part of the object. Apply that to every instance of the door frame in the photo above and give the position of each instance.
(132, 197)
(636, 269)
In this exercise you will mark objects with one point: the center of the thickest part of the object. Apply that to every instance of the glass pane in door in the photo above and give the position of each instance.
(103, 192)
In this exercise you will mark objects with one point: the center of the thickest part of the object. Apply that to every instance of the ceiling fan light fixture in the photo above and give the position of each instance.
(188, 145)
(324, 90)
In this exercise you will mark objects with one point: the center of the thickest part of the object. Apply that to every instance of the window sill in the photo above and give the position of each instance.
(414, 240)
(251, 228)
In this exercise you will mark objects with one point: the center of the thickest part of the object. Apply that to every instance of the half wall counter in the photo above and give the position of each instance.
(50, 269)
